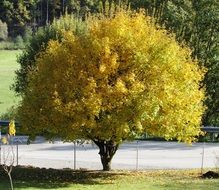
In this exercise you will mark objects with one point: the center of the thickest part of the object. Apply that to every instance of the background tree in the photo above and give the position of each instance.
(205, 42)
(36, 13)
(15, 14)
(48, 10)
(3, 31)
(112, 83)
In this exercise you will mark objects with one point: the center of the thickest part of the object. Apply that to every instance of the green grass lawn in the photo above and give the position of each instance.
(8, 65)
(147, 180)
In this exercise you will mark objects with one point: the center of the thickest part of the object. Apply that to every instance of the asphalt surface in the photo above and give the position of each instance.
(131, 155)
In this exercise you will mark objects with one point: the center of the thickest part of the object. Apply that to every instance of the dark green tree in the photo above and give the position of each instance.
(39, 42)
(15, 14)
(205, 41)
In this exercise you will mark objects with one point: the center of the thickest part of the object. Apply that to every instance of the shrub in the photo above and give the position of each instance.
(19, 42)
(27, 34)
(7, 45)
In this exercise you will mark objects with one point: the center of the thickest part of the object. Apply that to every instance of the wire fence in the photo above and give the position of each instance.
(136, 155)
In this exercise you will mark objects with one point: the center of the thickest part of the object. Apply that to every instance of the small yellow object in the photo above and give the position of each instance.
(11, 128)
(4, 140)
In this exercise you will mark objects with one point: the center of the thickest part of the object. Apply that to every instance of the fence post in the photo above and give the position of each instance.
(74, 155)
(137, 156)
(203, 154)
(17, 153)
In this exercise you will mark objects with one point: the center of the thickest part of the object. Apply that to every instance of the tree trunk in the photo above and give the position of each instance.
(107, 151)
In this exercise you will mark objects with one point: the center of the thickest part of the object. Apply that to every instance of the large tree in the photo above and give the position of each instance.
(113, 83)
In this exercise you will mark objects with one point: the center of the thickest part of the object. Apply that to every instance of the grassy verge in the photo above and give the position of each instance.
(119, 180)
(8, 65)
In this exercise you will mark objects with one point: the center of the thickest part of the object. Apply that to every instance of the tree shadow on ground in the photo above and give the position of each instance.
(53, 179)
(33, 184)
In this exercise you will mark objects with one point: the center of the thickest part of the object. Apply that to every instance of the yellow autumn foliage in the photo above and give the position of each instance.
(11, 128)
(123, 77)
(4, 140)
(11, 132)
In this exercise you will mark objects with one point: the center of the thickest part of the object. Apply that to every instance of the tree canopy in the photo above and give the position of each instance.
(112, 83)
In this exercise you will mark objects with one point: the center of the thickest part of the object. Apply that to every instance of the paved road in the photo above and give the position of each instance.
(151, 155)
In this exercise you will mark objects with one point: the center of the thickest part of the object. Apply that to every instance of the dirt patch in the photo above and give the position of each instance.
(211, 174)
